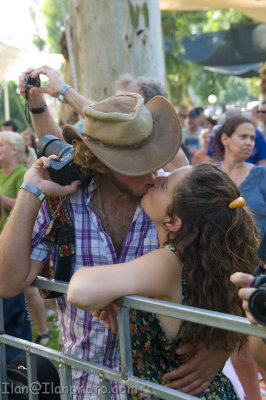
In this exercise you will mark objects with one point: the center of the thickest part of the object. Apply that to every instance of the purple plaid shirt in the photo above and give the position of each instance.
(84, 336)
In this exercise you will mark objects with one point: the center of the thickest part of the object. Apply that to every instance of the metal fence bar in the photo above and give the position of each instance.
(66, 381)
(126, 378)
(105, 388)
(192, 314)
(33, 384)
(107, 373)
(125, 342)
(50, 284)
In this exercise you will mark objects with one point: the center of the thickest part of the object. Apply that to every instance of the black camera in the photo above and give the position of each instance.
(64, 170)
(257, 301)
(32, 82)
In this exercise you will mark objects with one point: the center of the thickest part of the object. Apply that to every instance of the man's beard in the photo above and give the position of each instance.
(123, 188)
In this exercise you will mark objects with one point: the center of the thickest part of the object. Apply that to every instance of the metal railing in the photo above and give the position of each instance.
(125, 377)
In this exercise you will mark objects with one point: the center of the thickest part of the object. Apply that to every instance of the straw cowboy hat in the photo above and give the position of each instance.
(127, 136)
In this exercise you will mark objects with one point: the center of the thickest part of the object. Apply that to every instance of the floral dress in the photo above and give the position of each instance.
(153, 355)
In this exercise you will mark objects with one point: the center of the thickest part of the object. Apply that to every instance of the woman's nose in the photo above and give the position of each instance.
(158, 180)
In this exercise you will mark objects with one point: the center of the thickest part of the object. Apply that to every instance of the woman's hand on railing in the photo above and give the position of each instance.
(108, 315)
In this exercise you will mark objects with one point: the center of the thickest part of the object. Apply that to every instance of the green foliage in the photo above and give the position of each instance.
(224, 19)
(38, 41)
(16, 106)
(183, 74)
(52, 11)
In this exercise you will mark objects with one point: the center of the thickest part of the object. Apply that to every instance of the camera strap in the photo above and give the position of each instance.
(27, 107)
(59, 233)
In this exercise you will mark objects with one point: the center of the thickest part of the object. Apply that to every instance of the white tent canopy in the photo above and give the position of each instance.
(255, 9)
(14, 60)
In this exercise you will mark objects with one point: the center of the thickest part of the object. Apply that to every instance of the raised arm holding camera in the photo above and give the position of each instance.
(42, 119)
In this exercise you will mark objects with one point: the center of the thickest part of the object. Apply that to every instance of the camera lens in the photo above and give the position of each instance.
(50, 144)
(257, 305)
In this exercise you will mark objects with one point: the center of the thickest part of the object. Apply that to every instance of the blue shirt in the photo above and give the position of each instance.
(253, 189)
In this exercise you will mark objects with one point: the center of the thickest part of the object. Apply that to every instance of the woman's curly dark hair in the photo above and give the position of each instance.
(214, 242)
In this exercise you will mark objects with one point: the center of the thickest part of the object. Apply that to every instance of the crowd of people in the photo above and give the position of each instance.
(173, 204)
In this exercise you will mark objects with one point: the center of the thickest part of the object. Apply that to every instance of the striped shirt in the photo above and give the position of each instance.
(83, 335)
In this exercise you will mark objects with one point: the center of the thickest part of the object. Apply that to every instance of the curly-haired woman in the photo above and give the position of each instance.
(201, 238)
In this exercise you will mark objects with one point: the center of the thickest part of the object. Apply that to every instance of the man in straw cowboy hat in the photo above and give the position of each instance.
(121, 146)
(118, 222)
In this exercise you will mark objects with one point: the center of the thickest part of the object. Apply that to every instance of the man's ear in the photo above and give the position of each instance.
(175, 225)
(101, 169)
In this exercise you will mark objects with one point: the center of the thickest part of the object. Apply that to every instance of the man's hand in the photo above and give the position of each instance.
(36, 99)
(55, 82)
(195, 375)
(108, 315)
(39, 176)
(244, 280)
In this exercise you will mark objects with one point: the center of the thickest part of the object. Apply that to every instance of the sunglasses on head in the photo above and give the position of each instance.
(261, 111)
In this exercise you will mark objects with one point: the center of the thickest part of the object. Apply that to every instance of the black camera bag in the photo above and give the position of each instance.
(17, 383)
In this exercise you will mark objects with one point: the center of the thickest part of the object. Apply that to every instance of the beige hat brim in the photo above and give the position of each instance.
(152, 155)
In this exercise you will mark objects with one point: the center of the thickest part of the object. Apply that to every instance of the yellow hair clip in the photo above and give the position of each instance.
(238, 202)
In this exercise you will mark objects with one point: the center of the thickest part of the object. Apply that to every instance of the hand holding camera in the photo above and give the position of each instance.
(32, 82)
(253, 292)
(35, 92)
(62, 170)
(39, 176)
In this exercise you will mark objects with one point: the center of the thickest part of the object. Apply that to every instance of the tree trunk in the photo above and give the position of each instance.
(66, 114)
(112, 37)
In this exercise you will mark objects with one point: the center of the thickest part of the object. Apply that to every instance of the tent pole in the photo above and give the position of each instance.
(6, 101)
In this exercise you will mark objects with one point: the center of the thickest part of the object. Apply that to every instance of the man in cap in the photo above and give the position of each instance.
(192, 131)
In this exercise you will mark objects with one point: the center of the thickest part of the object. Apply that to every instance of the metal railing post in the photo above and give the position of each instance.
(33, 384)
(124, 379)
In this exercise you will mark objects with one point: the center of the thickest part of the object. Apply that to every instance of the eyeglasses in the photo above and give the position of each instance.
(261, 111)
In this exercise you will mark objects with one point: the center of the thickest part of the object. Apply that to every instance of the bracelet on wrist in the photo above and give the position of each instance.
(34, 190)
(63, 89)
(38, 110)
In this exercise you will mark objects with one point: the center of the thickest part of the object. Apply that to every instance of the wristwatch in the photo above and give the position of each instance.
(34, 190)
(61, 96)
